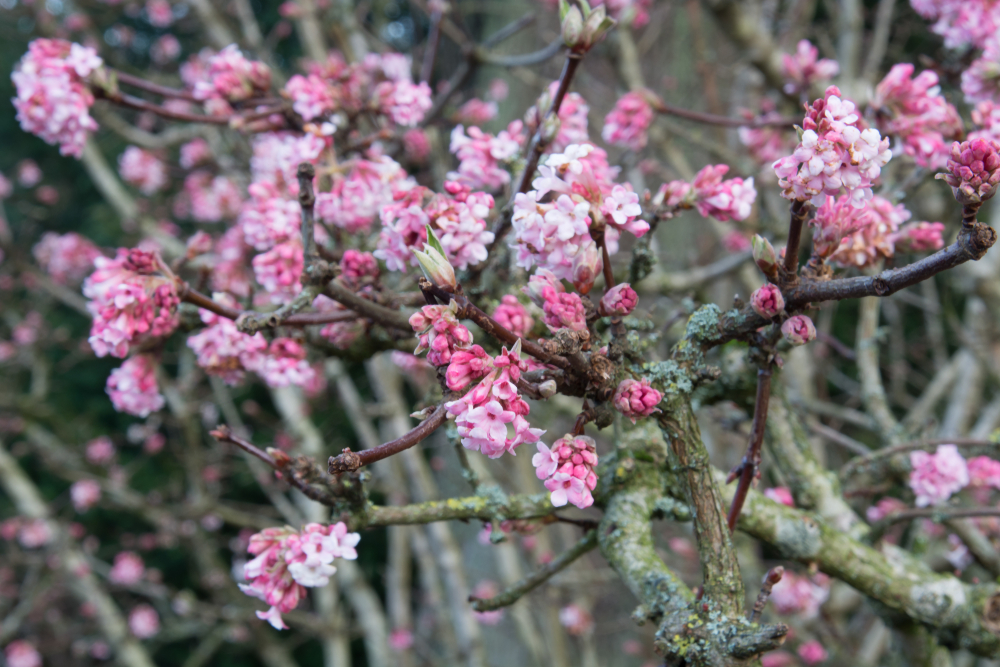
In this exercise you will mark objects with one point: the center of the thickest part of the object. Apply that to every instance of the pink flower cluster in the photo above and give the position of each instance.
(358, 268)
(132, 387)
(66, 258)
(859, 237)
(268, 218)
(483, 414)
(142, 169)
(482, 156)
(128, 569)
(231, 77)
(440, 333)
(799, 594)
(981, 81)
(767, 301)
(279, 269)
(812, 653)
(467, 365)
(208, 198)
(130, 300)
(961, 22)
(458, 217)
(563, 310)
(935, 477)
(288, 561)
(513, 316)
(973, 170)
(143, 621)
(53, 100)
(768, 143)
(277, 156)
(475, 112)
(379, 83)
(84, 494)
(619, 301)
(731, 199)
(798, 330)
(22, 653)
(356, 197)
(222, 349)
(628, 122)
(835, 152)
(919, 114)
(568, 470)
(805, 69)
(283, 365)
(636, 398)
(231, 273)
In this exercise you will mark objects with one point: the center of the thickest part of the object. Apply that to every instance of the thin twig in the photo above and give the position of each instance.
(126, 100)
(433, 40)
(863, 461)
(799, 210)
(223, 433)
(349, 461)
(747, 469)
(772, 577)
(712, 119)
(155, 88)
(515, 592)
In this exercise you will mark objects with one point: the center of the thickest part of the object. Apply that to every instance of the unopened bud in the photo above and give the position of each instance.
(547, 389)
(281, 459)
(435, 264)
(572, 27)
(597, 25)
(764, 256)
(550, 129)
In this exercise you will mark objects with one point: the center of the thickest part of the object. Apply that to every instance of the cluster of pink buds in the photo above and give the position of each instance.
(973, 171)
(231, 256)
(619, 301)
(568, 470)
(457, 216)
(355, 199)
(268, 218)
(133, 295)
(563, 310)
(132, 387)
(231, 77)
(66, 258)
(730, 199)
(513, 316)
(222, 349)
(466, 366)
(439, 332)
(798, 330)
(288, 561)
(835, 152)
(277, 156)
(935, 477)
(484, 413)
(800, 594)
(279, 270)
(142, 169)
(767, 301)
(475, 112)
(332, 90)
(482, 156)
(358, 268)
(850, 236)
(981, 81)
(919, 114)
(961, 22)
(53, 100)
(208, 198)
(628, 122)
(806, 69)
(283, 365)
(636, 398)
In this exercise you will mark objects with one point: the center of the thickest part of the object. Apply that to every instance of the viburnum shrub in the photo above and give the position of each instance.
(359, 279)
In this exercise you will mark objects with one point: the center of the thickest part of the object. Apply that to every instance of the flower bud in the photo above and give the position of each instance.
(767, 301)
(435, 264)
(597, 25)
(572, 27)
(619, 301)
(547, 389)
(798, 330)
(764, 255)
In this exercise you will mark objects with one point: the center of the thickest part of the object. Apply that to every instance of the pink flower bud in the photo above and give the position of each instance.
(767, 301)
(798, 330)
(764, 255)
(973, 171)
(620, 300)
(636, 399)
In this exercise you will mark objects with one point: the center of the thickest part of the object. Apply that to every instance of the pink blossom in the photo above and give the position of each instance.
(53, 100)
(144, 622)
(798, 330)
(569, 470)
(476, 112)
(800, 595)
(208, 198)
(283, 364)
(636, 399)
(484, 590)
(416, 145)
(231, 77)
(572, 118)
(159, 13)
(100, 450)
(22, 653)
(767, 301)
(918, 236)
(564, 310)
(400, 639)
(29, 174)
(466, 366)
(165, 49)
(835, 152)
(918, 114)
(984, 472)
(195, 152)
(357, 268)
(780, 494)
(142, 169)
(128, 569)
(981, 81)
(356, 199)
(482, 157)
(268, 218)
(133, 297)
(34, 534)
(777, 659)
(804, 70)
(66, 258)
(440, 332)
(231, 272)
(627, 123)
(279, 269)
(812, 652)
(311, 96)
(961, 22)
(277, 156)
(513, 316)
(622, 207)
(619, 301)
(132, 387)
(84, 493)
(576, 619)
(973, 170)
(222, 349)
(935, 477)
(404, 101)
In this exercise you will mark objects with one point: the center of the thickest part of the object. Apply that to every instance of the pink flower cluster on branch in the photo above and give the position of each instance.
(973, 171)
(563, 310)
(961, 22)
(805, 69)
(482, 156)
(513, 316)
(142, 169)
(836, 152)
(228, 76)
(628, 122)
(730, 199)
(636, 399)
(289, 561)
(133, 388)
(357, 196)
(440, 333)
(66, 258)
(568, 470)
(936, 477)
(53, 100)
